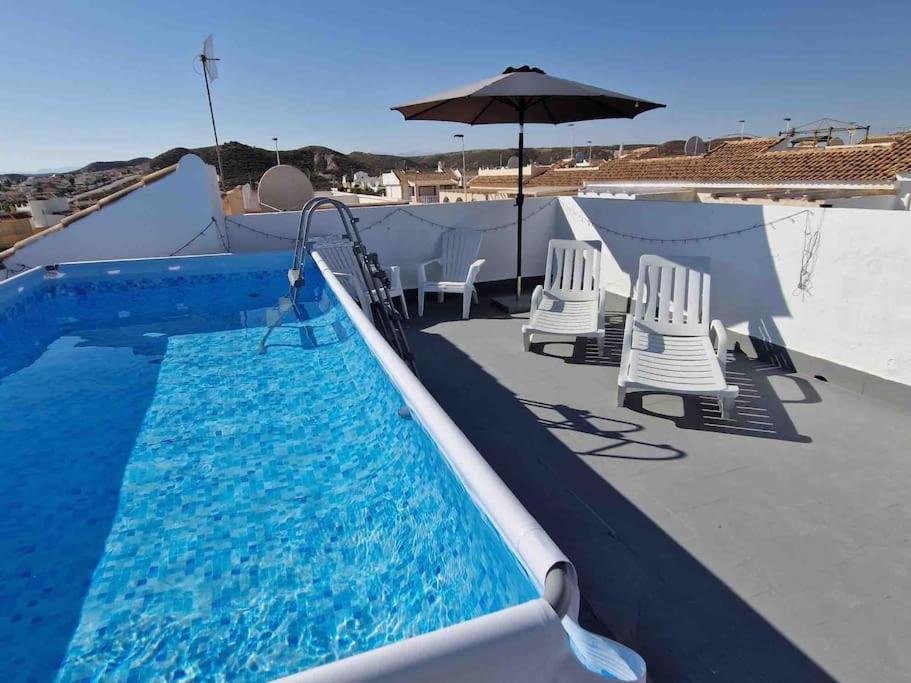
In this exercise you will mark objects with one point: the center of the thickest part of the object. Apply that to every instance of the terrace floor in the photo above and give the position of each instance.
(774, 547)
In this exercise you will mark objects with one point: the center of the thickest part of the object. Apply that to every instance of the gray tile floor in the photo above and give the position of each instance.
(774, 547)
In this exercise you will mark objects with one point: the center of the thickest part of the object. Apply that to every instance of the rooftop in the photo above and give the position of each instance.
(773, 547)
(754, 160)
(431, 177)
(769, 548)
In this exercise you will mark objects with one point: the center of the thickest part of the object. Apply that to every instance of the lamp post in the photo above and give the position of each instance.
(278, 160)
(589, 151)
(461, 137)
(742, 123)
(572, 142)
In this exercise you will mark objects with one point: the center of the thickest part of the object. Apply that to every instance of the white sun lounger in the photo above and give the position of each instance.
(339, 256)
(667, 343)
(570, 304)
(460, 265)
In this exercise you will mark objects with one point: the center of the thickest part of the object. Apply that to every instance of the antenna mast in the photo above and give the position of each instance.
(209, 68)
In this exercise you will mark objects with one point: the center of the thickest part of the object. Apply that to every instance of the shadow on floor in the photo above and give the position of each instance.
(617, 433)
(637, 582)
(760, 410)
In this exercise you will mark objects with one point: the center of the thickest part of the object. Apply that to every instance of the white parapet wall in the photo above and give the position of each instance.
(158, 217)
(830, 283)
(408, 235)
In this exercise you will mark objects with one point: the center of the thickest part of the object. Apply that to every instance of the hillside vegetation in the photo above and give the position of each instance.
(325, 166)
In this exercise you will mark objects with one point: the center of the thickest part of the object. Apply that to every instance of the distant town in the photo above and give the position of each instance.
(825, 163)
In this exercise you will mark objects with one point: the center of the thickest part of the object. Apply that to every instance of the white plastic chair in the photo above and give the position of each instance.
(339, 256)
(570, 303)
(667, 343)
(459, 265)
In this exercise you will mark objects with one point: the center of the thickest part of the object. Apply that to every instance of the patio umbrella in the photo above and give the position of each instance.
(524, 95)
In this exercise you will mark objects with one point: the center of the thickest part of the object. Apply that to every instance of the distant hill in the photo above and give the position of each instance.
(325, 166)
(111, 165)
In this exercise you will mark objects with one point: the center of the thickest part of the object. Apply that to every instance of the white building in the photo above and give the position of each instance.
(361, 180)
(419, 187)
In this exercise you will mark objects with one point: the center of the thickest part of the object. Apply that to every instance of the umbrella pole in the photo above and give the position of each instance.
(508, 302)
(520, 200)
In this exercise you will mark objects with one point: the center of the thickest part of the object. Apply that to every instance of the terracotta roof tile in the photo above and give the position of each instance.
(417, 176)
(755, 161)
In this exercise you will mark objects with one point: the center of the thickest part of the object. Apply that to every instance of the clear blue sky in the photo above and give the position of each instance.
(86, 81)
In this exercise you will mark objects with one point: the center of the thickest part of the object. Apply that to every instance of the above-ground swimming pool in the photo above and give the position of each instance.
(178, 506)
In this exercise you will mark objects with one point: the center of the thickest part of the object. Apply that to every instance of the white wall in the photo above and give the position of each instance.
(857, 310)
(404, 239)
(152, 221)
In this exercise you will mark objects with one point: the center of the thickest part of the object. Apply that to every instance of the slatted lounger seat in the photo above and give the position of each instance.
(667, 340)
(570, 303)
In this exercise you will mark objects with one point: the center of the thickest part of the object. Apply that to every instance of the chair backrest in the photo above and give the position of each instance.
(672, 295)
(573, 270)
(338, 253)
(459, 250)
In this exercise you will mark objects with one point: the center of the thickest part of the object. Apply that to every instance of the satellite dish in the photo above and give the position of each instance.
(694, 146)
(513, 162)
(284, 188)
(209, 59)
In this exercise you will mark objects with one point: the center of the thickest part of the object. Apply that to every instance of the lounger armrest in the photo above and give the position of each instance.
(395, 278)
(602, 307)
(473, 271)
(536, 297)
(422, 269)
(720, 343)
(627, 346)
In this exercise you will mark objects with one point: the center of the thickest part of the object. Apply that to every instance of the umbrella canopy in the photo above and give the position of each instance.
(528, 91)
(525, 95)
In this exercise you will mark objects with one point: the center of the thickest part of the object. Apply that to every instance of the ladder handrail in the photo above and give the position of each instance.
(375, 279)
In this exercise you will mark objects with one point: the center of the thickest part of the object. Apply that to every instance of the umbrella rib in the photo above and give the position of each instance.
(481, 113)
(553, 119)
(612, 110)
(428, 109)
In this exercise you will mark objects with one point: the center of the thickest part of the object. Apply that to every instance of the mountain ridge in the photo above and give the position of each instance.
(326, 166)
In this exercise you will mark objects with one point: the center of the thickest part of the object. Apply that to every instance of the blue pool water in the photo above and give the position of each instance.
(174, 505)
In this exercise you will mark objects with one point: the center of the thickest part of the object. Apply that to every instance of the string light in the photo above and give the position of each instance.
(698, 238)
(405, 211)
(200, 234)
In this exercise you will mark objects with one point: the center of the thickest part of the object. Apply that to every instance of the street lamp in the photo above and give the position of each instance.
(743, 124)
(464, 169)
(589, 151)
(572, 142)
(278, 160)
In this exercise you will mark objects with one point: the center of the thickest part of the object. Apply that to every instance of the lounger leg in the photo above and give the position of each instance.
(526, 340)
(420, 303)
(621, 395)
(474, 295)
(466, 304)
(601, 346)
(440, 297)
(727, 400)
(404, 306)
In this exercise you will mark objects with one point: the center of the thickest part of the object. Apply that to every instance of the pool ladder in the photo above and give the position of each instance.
(386, 317)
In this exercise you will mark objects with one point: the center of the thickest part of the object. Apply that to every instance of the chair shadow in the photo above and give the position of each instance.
(639, 585)
(760, 411)
(617, 433)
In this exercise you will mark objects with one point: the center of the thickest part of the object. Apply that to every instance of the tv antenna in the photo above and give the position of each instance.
(210, 73)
